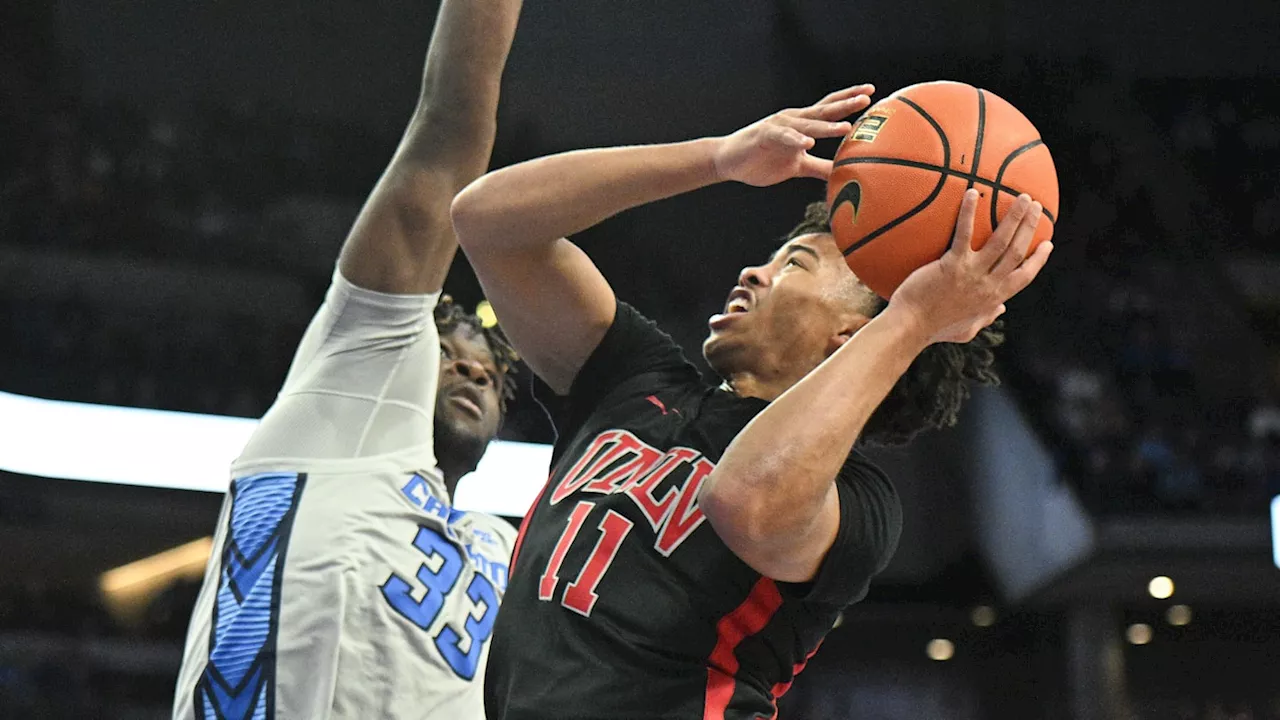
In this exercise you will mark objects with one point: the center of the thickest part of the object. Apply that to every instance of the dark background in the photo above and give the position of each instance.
(176, 178)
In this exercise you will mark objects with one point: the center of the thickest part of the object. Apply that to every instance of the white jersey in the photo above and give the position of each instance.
(343, 584)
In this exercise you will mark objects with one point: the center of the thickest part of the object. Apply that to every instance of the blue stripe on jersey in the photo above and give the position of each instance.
(238, 682)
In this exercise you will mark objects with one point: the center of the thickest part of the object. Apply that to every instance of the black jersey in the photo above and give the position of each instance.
(623, 602)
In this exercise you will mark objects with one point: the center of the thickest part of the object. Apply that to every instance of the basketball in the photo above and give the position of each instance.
(900, 174)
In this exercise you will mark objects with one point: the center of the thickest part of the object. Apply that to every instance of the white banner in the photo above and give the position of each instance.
(134, 446)
(1275, 529)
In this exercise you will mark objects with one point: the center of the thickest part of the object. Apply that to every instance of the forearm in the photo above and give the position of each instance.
(403, 241)
(457, 107)
(540, 201)
(775, 477)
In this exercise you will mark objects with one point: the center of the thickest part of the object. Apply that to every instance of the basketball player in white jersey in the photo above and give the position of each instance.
(343, 583)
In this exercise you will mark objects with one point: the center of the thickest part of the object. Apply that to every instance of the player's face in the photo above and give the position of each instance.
(468, 408)
(788, 314)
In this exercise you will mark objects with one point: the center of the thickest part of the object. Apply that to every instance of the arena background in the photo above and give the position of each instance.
(176, 178)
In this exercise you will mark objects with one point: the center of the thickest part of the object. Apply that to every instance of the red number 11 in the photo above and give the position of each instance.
(580, 596)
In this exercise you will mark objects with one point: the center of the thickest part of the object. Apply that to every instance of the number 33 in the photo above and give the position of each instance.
(439, 583)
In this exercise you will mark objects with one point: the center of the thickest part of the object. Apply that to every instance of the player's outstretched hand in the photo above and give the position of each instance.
(956, 296)
(776, 148)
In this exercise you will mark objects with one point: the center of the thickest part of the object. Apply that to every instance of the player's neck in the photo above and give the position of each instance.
(746, 384)
(451, 477)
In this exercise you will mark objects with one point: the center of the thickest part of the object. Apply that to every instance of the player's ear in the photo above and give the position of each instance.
(848, 327)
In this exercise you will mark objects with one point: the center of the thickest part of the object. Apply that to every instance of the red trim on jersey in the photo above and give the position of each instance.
(524, 525)
(748, 619)
(781, 688)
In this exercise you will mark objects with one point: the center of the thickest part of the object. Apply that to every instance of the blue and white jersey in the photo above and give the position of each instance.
(343, 584)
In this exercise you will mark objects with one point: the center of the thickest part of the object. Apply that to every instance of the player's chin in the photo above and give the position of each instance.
(718, 351)
(462, 424)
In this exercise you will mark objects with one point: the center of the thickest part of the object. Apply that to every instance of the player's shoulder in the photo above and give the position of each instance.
(636, 341)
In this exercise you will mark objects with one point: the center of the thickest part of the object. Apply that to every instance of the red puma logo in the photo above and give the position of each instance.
(654, 399)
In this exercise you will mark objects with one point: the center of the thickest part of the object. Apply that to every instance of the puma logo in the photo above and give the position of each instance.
(654, 399)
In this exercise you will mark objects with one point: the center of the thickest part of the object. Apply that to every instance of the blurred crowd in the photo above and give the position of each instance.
(1217, 708)
(211, 201)
(1133, 358)
(1228, 130)
(63, 656)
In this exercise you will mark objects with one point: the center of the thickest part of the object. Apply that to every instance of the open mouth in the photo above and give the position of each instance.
(739, 301)
(467, 399)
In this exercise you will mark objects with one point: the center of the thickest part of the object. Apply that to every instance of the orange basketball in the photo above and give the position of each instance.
(901, 173)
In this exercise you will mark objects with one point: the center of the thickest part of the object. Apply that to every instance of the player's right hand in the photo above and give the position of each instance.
(953, 298)
(776, 148)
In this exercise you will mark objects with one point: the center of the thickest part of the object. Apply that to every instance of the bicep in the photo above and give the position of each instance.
(552, 302)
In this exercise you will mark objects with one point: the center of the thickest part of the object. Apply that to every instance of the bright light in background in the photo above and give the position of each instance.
(983, 616)
(1138, 634)
(128, 588)
(484, 311)
(189, 451)
(1178, 615)
(163, 565)
(1161, 587)
(940, 649)
(1275, 530)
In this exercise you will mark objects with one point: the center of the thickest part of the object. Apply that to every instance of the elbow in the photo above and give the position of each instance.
(778, 539)
(737, 517)
(755, 535)
(468, 212)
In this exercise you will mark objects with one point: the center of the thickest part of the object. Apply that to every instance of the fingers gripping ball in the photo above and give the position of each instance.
(900, 174)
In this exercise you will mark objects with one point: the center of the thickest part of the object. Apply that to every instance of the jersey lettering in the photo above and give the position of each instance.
(576, 478)
(687, 516)
(418, 492)
(551, 576)
(619, 462)
(478, 630)
(580, 596)
(439, 574)
(644, 460)
(640, 488)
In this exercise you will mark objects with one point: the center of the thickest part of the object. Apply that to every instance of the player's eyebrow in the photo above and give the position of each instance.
(793, 247)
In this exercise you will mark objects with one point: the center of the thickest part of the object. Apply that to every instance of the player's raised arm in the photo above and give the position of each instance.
(402, 241)
(773, 498)
(553, 302)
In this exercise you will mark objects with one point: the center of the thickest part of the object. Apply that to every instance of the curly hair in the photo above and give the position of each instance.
(449, 315)
(930, 394)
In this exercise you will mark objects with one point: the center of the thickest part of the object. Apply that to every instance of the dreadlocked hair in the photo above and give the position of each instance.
(449, 315)
(930, 394)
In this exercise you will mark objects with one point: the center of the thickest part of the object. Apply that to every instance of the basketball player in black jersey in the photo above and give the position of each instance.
(695, 542)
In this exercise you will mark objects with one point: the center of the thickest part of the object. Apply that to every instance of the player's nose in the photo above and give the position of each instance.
(753, 276)
(472, 370)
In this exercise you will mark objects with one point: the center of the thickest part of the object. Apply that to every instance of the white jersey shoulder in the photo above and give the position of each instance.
(344, 584)
(361, 389)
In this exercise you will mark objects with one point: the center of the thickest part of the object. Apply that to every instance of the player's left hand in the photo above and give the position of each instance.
(776, 148)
